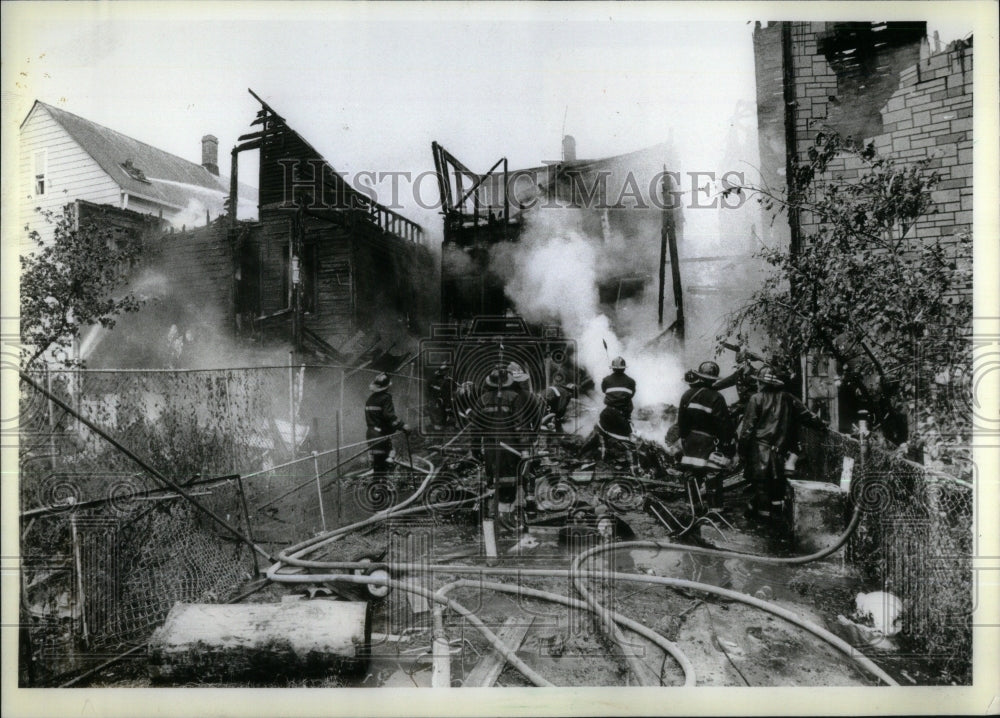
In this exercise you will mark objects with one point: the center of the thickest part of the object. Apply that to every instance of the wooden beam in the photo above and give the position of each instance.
(670, 230)
(485, 673)
(228, 641)
(663, 252)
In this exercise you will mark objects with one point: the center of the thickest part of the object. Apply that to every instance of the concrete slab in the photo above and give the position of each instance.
(233, 641)
(818, 514)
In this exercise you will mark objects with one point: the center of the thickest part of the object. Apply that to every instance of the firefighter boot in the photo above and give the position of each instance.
(776, 520)
(713, 485)
(757, 506)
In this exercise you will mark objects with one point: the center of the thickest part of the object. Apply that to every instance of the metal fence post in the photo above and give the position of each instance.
(340, 413)
(291, 398)
(246, 520)
(861, 469)
(78, 564)
(232, 421)
(52, 417)
(319, 491)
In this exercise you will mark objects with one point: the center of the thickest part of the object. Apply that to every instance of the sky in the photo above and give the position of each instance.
(371, 90)
(372, 85)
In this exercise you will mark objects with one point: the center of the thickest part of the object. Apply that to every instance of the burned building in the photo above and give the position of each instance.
(619, 200)
(321, 270)
(322, 263)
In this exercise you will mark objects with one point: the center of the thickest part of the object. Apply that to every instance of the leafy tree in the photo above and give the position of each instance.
(76, 280)
(894, 310)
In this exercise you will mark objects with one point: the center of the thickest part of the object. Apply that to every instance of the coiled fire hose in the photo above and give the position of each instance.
(818, 631)
(522, 591)
(576, 572)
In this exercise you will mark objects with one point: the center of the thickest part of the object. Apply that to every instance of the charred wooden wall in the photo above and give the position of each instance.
(195, 264)
(201, 260)
(361, 265)
(354, 276)
(288, 171)
(188, 281)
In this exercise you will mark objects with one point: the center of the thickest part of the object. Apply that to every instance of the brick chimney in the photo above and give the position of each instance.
(210, 154)
(569, 148)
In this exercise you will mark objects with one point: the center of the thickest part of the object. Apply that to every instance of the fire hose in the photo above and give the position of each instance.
(818, 631)
(329, 536)
(577, 574)
(668, 646)
(616, 635)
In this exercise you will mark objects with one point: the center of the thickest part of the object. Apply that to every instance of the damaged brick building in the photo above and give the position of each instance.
(886, 83)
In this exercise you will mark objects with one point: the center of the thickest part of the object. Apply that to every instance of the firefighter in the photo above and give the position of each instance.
(743, 379)
(382, 423)
(766, 436)
(521, 379)
(611, 436)
(439, 396)
(530, 406)
(619, 389)
(672, 439)
(556, 399)
(496, 417)
(706, 430)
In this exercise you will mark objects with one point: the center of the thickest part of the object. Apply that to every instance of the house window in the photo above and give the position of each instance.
(41, 170)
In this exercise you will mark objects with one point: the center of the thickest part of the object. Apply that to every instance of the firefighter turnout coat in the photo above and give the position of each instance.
(768, 433)
(619, 389)
(705, 425)
(381, 422)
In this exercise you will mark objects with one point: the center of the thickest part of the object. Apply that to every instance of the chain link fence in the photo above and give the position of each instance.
(915, 540)
(106, 550)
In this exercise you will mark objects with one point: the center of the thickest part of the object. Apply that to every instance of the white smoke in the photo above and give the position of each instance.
(552, 276)
(205, 204)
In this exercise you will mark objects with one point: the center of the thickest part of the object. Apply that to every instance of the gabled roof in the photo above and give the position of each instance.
(138, 168)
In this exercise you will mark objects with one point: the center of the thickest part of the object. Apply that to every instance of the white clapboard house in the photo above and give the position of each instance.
(65, 158)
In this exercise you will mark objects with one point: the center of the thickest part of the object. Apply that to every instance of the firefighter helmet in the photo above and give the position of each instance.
(380, 383)
(708, 370)
(516, 372)
(690, 377)
(618, 364)
(499, 378)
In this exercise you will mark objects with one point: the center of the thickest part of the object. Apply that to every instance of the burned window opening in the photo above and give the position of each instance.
(867, 59)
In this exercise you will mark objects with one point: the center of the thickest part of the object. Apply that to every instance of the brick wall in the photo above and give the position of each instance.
(924, 112)
(929, 116)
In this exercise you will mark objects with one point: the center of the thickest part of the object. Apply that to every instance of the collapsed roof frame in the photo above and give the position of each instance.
(448, 168)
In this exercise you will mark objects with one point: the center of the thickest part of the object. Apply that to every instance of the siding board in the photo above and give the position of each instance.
(71, 174)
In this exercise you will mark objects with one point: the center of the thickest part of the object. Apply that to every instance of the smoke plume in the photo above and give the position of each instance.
(552, 276)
